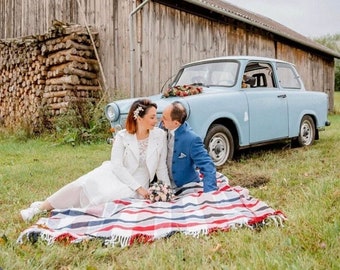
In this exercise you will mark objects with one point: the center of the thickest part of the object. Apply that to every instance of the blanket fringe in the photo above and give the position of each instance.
(278, 219)
(33, 234)
(117, 241)
(197, 233)
(48, 238)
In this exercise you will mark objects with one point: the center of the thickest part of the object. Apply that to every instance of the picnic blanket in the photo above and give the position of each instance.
(127, 221)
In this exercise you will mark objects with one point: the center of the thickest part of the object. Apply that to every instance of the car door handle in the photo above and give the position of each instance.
(282, 96)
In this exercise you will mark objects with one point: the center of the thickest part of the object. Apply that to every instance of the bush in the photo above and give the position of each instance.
(82, 123)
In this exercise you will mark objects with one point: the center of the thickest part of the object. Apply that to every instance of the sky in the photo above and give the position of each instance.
(311, 18)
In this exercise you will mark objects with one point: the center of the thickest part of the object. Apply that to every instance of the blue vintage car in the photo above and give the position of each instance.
(239, 102)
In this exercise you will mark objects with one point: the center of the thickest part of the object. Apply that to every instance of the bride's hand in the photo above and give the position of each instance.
(143, 192)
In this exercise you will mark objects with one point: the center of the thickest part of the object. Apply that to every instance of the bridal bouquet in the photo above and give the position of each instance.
(160, 192)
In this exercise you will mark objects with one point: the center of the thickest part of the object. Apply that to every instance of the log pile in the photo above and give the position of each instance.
(43, 76)
(22, 81)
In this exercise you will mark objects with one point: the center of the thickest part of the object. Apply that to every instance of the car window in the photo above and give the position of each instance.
(288, 78)
(258, 74)
(210, 74)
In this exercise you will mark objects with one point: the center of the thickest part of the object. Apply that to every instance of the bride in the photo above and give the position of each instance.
(138, 154)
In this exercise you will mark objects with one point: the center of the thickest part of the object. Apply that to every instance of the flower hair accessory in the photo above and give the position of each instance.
(137, 111)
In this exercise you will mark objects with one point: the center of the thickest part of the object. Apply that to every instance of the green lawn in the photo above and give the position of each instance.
(302, 182)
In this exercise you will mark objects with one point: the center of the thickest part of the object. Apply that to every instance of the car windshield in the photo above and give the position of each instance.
(209, 74)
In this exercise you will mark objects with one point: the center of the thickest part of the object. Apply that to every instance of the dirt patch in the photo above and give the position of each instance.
(247, 180)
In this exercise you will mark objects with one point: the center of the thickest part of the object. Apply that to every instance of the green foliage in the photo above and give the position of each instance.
(330, 41)
(85, 124)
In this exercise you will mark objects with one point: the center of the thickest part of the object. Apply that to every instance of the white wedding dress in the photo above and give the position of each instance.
(101, 185)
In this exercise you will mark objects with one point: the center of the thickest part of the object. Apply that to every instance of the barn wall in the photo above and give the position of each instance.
(316, 72)
(165, 38)
(21, 18)
(171, 38)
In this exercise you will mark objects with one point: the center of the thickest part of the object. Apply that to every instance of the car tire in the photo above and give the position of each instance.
(307, 131)
(219, 143)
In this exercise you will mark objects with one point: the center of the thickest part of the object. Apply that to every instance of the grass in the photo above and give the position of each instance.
(302, 182)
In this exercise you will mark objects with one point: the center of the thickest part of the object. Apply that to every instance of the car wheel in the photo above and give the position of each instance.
(307, 131)
(220, 144)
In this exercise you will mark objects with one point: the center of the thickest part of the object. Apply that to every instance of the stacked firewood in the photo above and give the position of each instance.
(22, 81)
(71, 72)
(46, 75)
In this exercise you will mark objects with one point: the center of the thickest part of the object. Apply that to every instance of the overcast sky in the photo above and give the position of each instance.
(311, 18)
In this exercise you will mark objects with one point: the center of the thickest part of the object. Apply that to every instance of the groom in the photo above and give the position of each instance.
(186, 151)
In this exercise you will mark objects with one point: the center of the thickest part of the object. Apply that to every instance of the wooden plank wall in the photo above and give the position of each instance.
(21, 18)
(316, 72)
(171, 38)
(165, 38)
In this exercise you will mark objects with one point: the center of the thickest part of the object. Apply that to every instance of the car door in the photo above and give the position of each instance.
(268, 118)
(267, 107)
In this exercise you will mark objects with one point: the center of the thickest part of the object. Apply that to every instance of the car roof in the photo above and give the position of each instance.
(239, 57)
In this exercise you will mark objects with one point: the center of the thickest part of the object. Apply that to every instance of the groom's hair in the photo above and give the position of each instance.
(178, 112)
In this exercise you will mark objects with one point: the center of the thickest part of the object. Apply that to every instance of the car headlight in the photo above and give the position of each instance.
(112, 112)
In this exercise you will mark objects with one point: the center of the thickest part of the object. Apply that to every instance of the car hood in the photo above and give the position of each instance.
(124, 104)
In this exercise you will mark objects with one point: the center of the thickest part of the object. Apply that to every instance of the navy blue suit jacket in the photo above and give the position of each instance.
(189, 154)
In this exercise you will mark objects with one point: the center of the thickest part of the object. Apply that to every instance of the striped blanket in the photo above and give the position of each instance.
(127, 221)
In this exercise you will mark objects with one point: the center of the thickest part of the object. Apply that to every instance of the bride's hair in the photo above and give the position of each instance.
(138, 109)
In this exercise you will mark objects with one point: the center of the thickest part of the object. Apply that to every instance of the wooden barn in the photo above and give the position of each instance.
(143, 43)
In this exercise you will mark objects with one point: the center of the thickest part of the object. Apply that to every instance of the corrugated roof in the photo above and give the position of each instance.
(262, 22)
